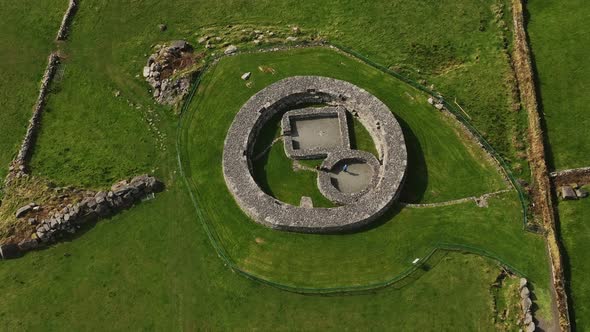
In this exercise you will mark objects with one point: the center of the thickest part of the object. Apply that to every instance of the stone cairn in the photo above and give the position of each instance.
(526, 304)
(92, 207)
(161, 69)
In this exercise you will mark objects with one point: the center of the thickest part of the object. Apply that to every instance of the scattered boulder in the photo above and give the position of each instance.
(162, 27)
(568, 193)
(246, 76)
(524, 292)
(23, 210)
(291, 39)
(439, 106)
(231, 49)
(581, 193)
(431, 100)
(296, 30)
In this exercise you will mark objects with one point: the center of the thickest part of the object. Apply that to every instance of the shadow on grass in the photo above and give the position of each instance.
(416, 181)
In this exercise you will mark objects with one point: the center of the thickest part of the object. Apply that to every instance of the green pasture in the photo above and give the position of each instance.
(575, 234)
(559, 37)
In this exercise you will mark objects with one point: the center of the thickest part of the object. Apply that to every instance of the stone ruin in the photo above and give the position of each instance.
(91, 207)
(164, 74)
(389, 168)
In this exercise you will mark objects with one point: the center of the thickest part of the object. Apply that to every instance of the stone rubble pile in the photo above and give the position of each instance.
(160, 69)
(92, 207)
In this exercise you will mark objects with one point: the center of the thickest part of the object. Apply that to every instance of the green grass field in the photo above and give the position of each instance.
(559, 38)
(575, 234)
(107, 50)
(153, 267)
(24, 47)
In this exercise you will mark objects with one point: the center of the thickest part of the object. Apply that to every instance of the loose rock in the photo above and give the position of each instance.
(231, 49)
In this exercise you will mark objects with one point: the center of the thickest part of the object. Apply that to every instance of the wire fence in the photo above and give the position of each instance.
(412, 272)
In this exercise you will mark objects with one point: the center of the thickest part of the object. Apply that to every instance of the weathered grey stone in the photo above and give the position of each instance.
(146, 71)
(162, 27)
(179, 45)
(291, 39)
(246, 76)
(524, 292)
(523, 282)
(581, 193)
(23, 210)
(231, 49)
(526, 304)
(528, 318)
(568, 193)
(530, 327)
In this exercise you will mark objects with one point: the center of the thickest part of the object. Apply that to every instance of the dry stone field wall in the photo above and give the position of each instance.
(90, 207)
(65, 22)
(18, 165)
(296, 92)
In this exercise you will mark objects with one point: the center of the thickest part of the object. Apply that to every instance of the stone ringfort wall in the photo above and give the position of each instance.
(296, 92)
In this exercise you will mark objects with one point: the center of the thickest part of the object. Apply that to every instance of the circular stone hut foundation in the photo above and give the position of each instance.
(366, 187)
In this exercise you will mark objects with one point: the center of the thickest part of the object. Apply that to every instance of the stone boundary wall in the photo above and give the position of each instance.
(62, 33)
(314, 113)
(300, 91)
(325, 182)
(576, 175)
(542, 195)
(18, 165)
(92, 207)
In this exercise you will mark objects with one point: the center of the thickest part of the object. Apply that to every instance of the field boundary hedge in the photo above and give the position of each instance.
(422, 264)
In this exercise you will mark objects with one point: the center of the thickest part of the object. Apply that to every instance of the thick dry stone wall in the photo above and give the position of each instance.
(92, 207)
(296, 92)
(67, 19)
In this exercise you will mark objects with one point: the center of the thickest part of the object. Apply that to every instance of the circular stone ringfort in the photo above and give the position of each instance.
(314, 126)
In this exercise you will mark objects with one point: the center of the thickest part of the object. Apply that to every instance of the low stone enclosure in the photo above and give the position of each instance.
(90, 207)
(387, 172)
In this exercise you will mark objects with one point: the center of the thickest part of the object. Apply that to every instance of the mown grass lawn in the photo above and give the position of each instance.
(377, 254)
(560, 37)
